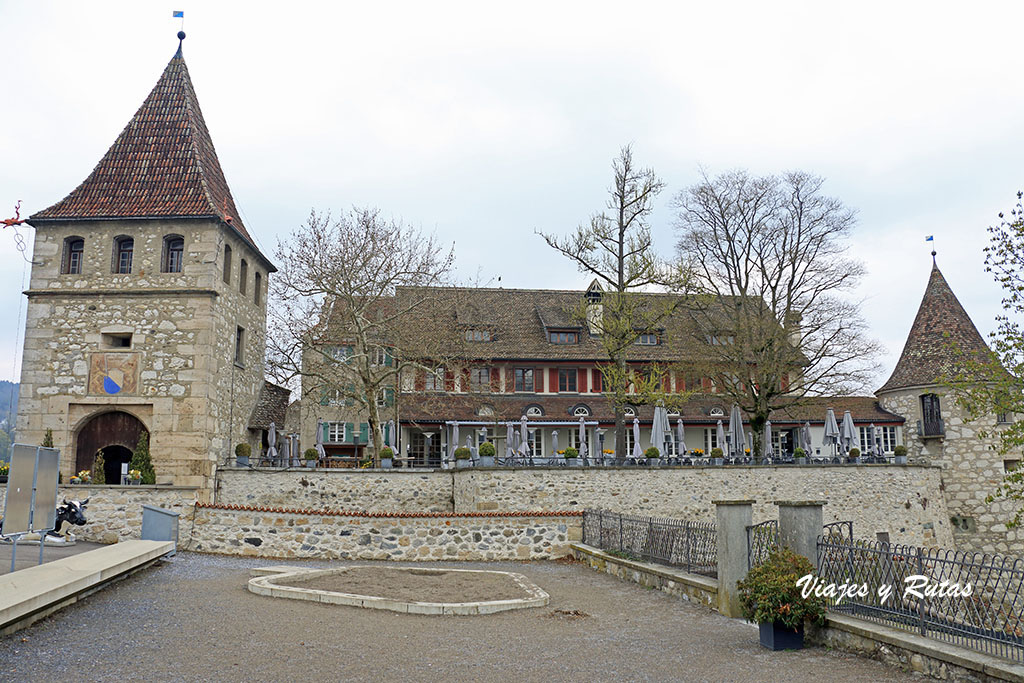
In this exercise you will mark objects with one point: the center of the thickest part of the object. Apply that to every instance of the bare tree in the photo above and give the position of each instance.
(347, 305)
(769, 265)
(616, 247)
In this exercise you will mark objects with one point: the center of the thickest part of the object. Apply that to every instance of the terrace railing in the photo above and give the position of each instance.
(968, 599)
(692, 546)
(762, 539)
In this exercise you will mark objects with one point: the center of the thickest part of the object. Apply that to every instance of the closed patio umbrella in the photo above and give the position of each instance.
(636, 438)
(554, 441)
(582, 438)
(524, 436)
(721, 438)
(510, 439)
(847, 432)
(831, 437)
(805, 438)
(766, 448)
(272, 443)
(658, 429)
(876, 442)
(320, 439)
(454, 443)
(737, 436)
(286, 452)
(680, 437)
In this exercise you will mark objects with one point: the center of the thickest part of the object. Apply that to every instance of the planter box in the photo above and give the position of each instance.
(776, 637)
(717, 461)
(386, 463)
(486, 461)
(241, 461)
(901, 459)
(654, 462)
(572, 462)
(463, 464)
(310, 463)
(801, 461)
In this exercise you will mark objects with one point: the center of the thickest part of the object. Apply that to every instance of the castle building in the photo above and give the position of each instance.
(147, 303)
(939, 431)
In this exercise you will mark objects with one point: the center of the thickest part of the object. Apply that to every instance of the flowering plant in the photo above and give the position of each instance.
(697, 451)
(770, 592)
(85, 476)
(608, 451)
(4, 468)
(134, 474)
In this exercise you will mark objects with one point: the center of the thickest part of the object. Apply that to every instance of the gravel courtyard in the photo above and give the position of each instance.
(191, 619)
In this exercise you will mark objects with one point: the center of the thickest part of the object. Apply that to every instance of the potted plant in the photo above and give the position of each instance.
(387, 457)
(717, 456)
(135, 477)
(85, 477)
(98, 475)
(462, 458)
(771, 599)
(487, 452)
(653, 456)
(242, 453)
(854, 455)
(572, 457)
(5, 468)
(311, 456)
(900, 452)
(799, 456)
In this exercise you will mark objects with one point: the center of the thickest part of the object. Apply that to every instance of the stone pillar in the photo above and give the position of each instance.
(733, 518)
(800, 525)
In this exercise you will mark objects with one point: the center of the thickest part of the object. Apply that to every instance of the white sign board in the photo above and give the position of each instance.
(31, 487)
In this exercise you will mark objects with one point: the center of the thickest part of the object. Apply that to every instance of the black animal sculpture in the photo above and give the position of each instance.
(72, 512)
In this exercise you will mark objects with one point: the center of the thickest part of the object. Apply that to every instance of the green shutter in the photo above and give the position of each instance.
(364, 432)
(323, 397)
(326, 429)
(349, 430)
(389, 397)
(387, 358)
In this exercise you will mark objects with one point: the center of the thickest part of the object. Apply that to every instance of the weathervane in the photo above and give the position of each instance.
(13, 224)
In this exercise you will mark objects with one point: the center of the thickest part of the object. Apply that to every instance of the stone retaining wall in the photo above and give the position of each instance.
(114, 513)
(906, 501)
(323, 534)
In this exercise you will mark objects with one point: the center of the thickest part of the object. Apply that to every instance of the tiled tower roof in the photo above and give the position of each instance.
(162, 165)
(941, 326)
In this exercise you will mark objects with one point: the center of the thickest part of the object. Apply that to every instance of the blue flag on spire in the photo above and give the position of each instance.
(178, 14)
(929, 238)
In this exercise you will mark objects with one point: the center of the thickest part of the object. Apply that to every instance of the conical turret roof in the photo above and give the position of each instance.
(941, 330)
(162, 165)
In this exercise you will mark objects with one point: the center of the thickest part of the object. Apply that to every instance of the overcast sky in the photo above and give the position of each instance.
(486, 123)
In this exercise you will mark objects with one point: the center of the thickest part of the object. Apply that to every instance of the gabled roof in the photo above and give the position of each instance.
(271, 406)
(162, 165)
(941, 330)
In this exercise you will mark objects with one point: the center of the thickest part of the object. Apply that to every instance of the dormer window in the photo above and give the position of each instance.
(647, 339)
(478, 335)
(581, 411)
(629, 411)
(534, 411)
(721, 339)
(716, 412)
(563, 337)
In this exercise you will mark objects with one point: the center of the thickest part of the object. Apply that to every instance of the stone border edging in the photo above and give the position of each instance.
(265, 585)
(399, 515)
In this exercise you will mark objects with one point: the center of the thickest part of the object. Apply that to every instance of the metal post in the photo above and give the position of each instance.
(620, 532)
(920, 601)
(14, 549)
(689, 567)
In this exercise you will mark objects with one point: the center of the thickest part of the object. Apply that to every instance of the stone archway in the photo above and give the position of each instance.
(117, 433)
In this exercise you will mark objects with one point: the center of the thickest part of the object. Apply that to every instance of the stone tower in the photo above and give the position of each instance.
(147, 303)
(938, 431)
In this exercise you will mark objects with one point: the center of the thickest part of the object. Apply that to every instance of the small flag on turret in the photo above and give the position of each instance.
(178, 14)
(929, 238)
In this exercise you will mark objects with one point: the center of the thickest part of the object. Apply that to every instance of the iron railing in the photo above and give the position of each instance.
(762, 539)
(928, 592)
(692, 546)
(837, 530)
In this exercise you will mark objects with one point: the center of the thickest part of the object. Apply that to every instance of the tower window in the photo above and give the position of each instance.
(257, 283)
(227, 264)
(74, 248)
(239, 345)
(116, 340)
(123, 250)
(243, 275)
(174, 251)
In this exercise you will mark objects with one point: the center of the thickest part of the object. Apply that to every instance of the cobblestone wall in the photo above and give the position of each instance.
(323, 535)
(907, 502)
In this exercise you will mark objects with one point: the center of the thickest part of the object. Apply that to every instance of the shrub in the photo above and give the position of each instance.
(143, 463)
(463, 453)
(769, 594)
(310, 454)
(97, 474)
(386, 452)
(487, 449)
(799, 453)
(47, 439)
(652, 452)
(854, 452)
(899, 450)
(717, 453)
(571, 452)
(243, 450)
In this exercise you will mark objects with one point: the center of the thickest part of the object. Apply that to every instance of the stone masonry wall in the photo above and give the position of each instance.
(320, 534)
(114, 513)
(971, 466)
(376, 490)
(905, 501)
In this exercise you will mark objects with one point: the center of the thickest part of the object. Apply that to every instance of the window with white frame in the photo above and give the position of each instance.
(572, 437)
(534, 411)
(380, 356)
(647, 339)
(478, 335)
(480, 379)
(335, 432)
(382, 397)
(711, 440)
(888, 435)
(629, 411)
(628, 434)
(434, 380)
(340, 353)
(581, 411)
(536, 442)
(671, 447)
(481, 436)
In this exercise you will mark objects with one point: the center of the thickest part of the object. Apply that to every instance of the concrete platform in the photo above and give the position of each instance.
(30, 594)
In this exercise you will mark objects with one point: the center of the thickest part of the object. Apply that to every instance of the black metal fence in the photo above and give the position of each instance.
(692, 546)
(762, 539)
(971, 600)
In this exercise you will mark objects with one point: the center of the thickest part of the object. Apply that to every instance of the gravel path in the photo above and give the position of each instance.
(191, 619)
